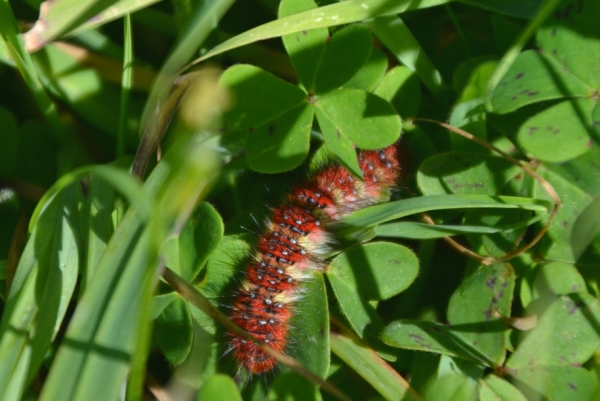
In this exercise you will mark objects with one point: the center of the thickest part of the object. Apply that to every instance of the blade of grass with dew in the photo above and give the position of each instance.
(396, 36)
(340, 13)
(511, 54)
(125, 86)
(14, 43)
(153, 123)
(69, 17)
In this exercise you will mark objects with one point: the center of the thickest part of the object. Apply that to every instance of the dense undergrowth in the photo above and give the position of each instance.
(477, 281)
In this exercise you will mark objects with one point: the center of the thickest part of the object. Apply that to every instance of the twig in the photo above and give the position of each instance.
(528, 170)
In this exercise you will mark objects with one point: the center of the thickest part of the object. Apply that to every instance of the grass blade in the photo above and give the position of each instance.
(396, 36)
(369, 365)
(70, 17)
(331, 15)
(125, 86)
(395, 210)
(154, 120)
(16, 49)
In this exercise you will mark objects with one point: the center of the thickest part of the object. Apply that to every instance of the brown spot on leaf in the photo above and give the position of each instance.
(271, 130)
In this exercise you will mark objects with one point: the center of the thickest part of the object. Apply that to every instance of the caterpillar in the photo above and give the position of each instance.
(292, 245)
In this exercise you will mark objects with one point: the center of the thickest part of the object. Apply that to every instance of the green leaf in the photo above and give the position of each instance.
(503, 242)
(9, 31)
(576, 50)
(401, 87)
(557, 278)
(370, 367)
(376, 271)
(229, 257)
(472, 308)
(470, 113)
(464, 173)
(551, 343)
(95, 217)
(160, 302)
(532, 78)
(363, 273)
(469, 116)
(272, 115)
(292, 387)
(96, 354)
(338, 143)
(586, 228)
(188, 251)
(311, 323)
(325, 64)
(556, 383)
(219, 387)
(370, 73)
(583, 171)
(305, 48)
(103, 373)
(126, 86)
(201, 24)
(260, 96)
(346, 52)
(452, 386)
(560, 132)
(394, 210)
(5, 56)
(283, 144)
(40, 293)
(421, 335)
(414, 230)
(69, 17)
(330, 15)
(173, 331)
(407, 50)
(557, 242)
(493, 388)
(83, 89)
(367, 120)
(469, 77)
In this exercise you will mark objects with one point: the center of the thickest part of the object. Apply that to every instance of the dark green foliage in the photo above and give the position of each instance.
(85, 313)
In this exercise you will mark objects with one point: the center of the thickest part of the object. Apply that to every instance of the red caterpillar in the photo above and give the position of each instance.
(292, 245)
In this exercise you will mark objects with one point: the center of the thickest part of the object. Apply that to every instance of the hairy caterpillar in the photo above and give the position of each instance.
(291, 246)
